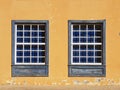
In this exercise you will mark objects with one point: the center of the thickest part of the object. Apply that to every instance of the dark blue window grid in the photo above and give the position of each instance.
(30, 43)
(86, 42)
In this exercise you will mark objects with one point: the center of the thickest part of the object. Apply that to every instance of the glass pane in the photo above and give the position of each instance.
(75, 53)
(83, 27)
(34, 40)
(90, 34)
(34, 27)
(34, 60)
(26, 33)
(20, 34)
(98, 60)
(75, 33)
(19, 53)
(90, 60)
(98, 53)
(34, 34)
(98, 47)
(76, 27)
(41, 47)
(26, 60)
(82, 53)
(19, 27)
(75, 47)
(27, 47)
(82, 33)
(90, 47)
(42, 40)
(26, 53)
(27, 27)
(19, 40)
(19, 47)
(82, 39)
(26, 40)
(41, 27)
(98, 34)
(82, 47)
(98, 40)
(41, 60)
(34, 53)
(34, 47)
(98, 27)
(83, 60)
(42, 34)
(19, 60)
(91, 40)
(75, 40)
(75, 60)
(90, 53)
(90, 27)
(41, 53)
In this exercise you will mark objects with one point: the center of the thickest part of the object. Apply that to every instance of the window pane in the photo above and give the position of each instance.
(19, 27)
(82, 47)
(34, 40)
(90, 60)
(42, 40)
(34, 27)
(83, 27)
(75, 53)
(41, 27)
(75, 60)
(82, 39)
(34, 53)
(42, 34)
(26, 40)
(27, 27)
(42, 60)
(82, 33)
(27, 47)
(34, 34)
(75, 40)
(19, 53)
(98, 53)
(34, 60)
(19, 60)
(90, 34)
(75, 27)
(98, 47)
(76, 47)
(90, 27)
(26, 53)
(20, 34)
(91, 40)
(98, 40)
(90, 47)
(34, 47)
(90, 53)
(83, 53)
(41, 47)
(98, 34)
(19, 40)
(41, 53)
(19, 47)
(98, 27)
(26, 33)
(26, 60)
(98, 60)
(75, 33)
(83, 60)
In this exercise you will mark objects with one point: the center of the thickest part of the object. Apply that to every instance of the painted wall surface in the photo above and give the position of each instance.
(58, 12)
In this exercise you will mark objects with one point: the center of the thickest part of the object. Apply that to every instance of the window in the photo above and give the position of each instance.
(30, 48)
(87, 48)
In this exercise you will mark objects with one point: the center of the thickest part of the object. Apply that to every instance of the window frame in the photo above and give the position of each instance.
(30, 70)
(86, 69)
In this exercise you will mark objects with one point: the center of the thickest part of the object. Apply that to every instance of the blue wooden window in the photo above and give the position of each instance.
(30, 48)
(86, 45)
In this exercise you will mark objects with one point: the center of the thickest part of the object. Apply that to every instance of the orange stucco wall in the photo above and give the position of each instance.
(58, 12)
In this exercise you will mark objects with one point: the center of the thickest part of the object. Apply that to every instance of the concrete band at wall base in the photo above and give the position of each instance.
(86, 70)
(29, 71)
